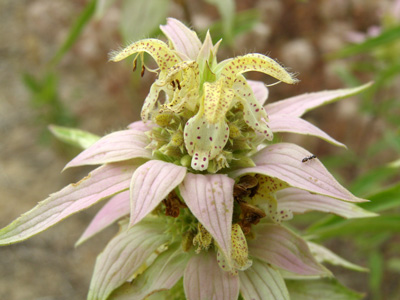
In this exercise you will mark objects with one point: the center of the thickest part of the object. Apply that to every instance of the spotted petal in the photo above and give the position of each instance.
(262, 281)
(150, 184)
(299, 201)
(280, 247)
(259, 89)
(253, 113)
(124, 255)
(182, 38)
(207, 133)
(284, 161)
(298, 105)
(180, 83)
(217, 101)
(210, 199)
(99, 184)
(117, 146)
(150, 102)
(164, 57)
(288, 123)
(204, 141)
(204, 279)
(254, 62)
(117, 207)
(239, 253)
(184, 95)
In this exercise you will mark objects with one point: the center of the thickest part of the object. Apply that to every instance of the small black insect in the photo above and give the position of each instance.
(173, 84)
(308, 158)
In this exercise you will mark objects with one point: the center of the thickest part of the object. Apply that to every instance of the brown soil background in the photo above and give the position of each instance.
(99, 94)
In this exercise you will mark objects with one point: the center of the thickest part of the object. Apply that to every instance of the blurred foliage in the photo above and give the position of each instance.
(242, 22)
(387, 39)
(45, 98)
(75, 31)
(320, 289)
(141, 18)
(226, 9)
(376, 58)
(46, 101)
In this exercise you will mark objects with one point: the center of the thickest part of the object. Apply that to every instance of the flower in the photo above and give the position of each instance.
(205, 189)
(202, 92)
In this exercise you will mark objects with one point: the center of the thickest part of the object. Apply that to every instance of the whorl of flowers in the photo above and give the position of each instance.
(210, 116)
(199, 186)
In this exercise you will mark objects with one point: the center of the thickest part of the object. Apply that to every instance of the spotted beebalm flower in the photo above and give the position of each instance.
(199, 188)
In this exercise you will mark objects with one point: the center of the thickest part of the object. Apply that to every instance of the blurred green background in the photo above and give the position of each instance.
(54, 70)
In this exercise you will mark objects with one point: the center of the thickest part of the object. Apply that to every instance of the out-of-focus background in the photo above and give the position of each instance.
(54, 70)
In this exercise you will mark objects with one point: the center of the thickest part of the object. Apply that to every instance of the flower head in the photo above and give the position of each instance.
(205, 189)
(209, 99)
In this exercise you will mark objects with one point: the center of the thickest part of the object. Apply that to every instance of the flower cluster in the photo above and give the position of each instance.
(200, 189)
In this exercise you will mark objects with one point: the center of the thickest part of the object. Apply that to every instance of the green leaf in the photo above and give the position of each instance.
(101, 7)
(384, 38)
(327, 289)
(387, 74)
(347, 76)
(394, 264)
(74, 137)
(376, 264)
(227, 11)
(141, 18)
(44, 90)
(394, 164)
(76, 30)
(242, 22)
(372, 180)
(357, 227)
(386, 199)
(46, 101)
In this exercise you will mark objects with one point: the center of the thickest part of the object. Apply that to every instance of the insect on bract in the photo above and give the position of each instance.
(308, 158)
